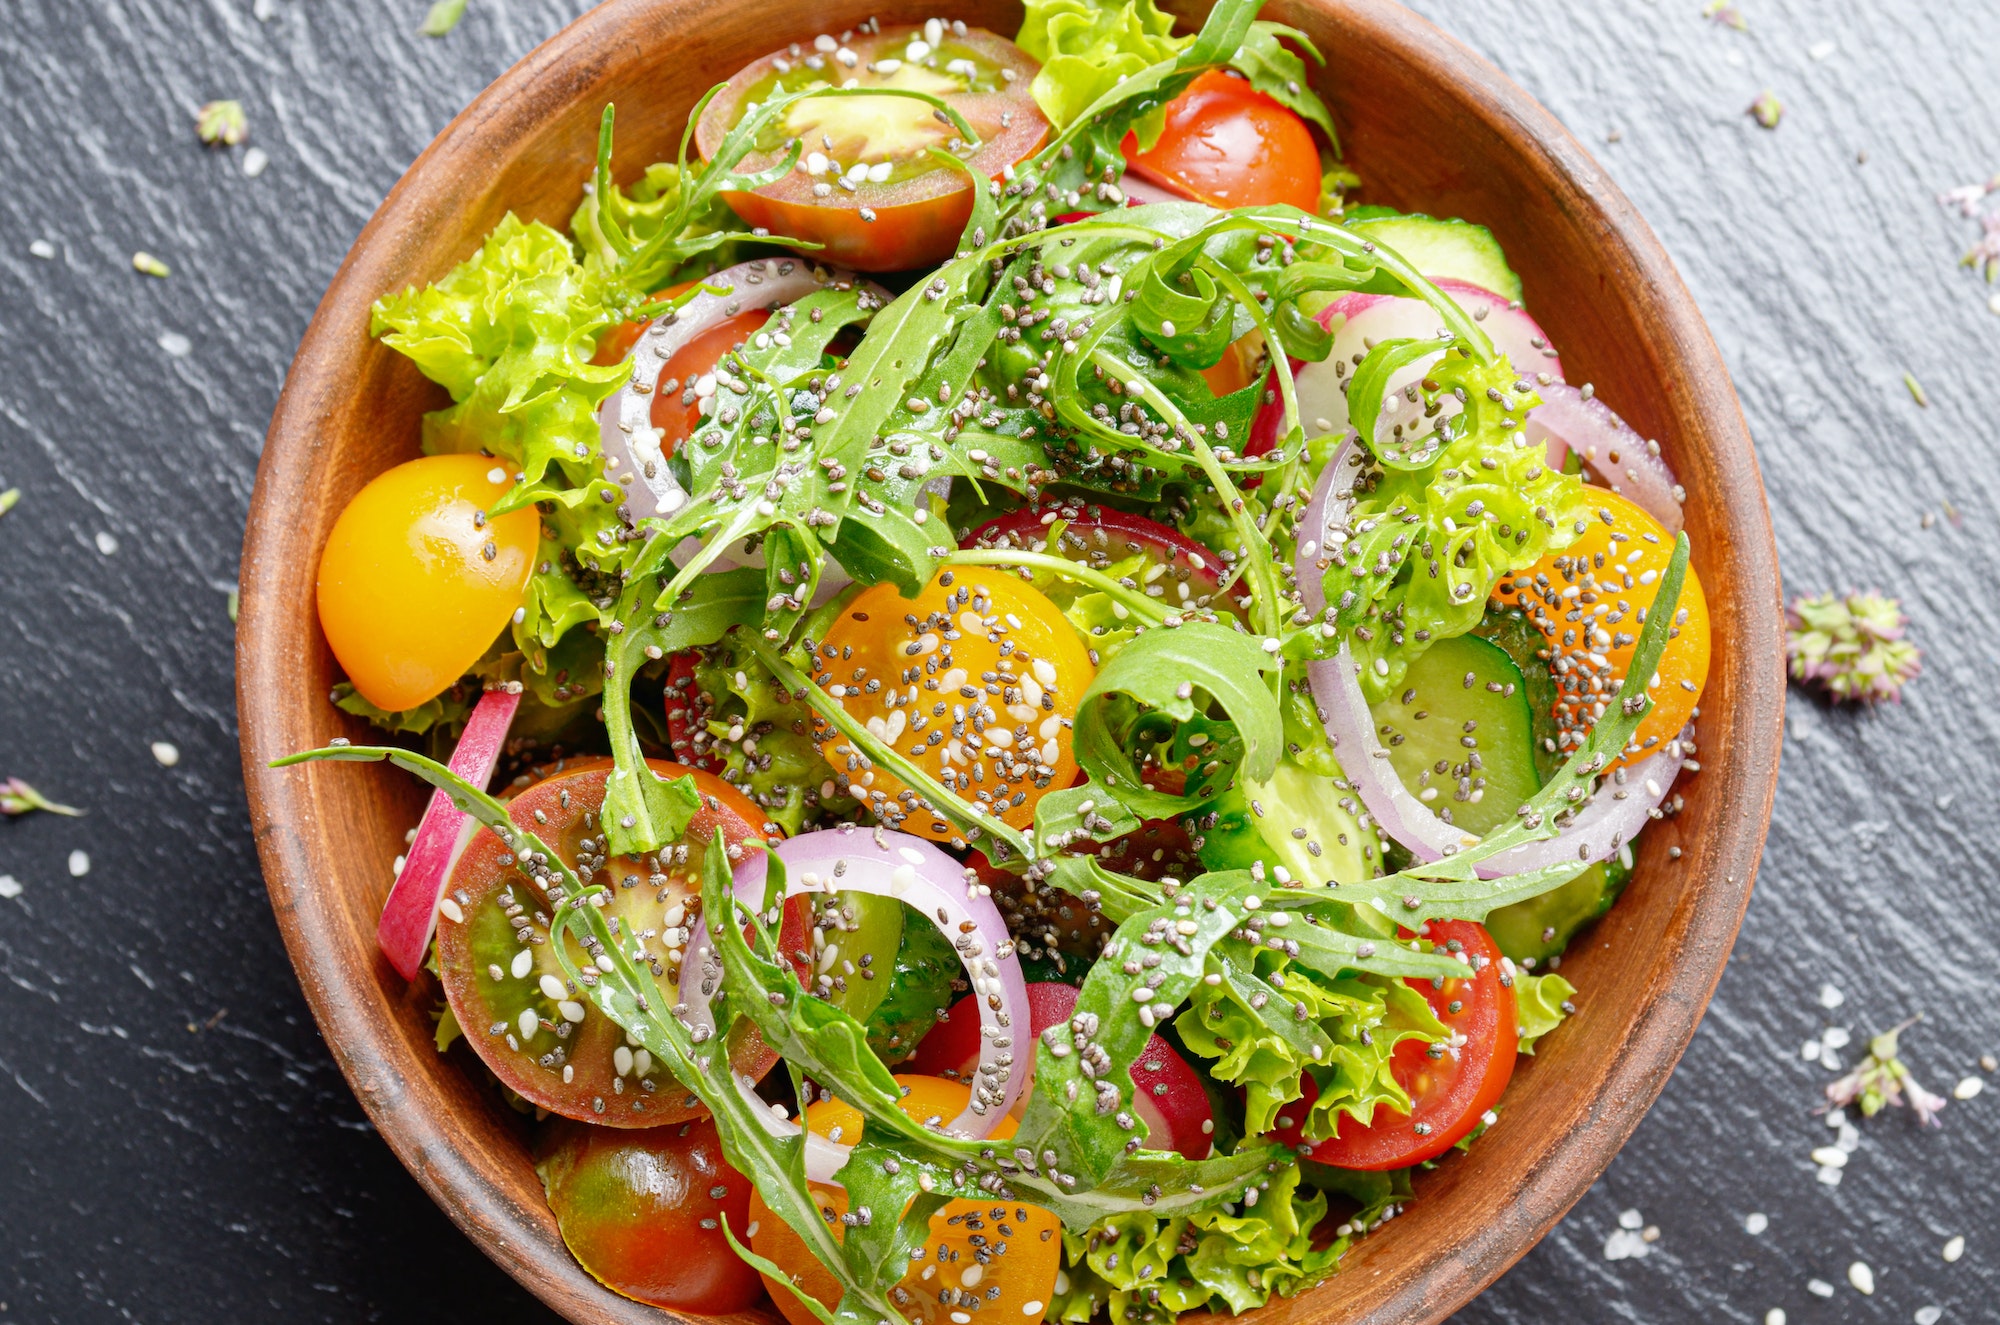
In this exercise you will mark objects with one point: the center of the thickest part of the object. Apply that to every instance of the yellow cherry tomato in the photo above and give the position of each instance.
(1003, 1254)
(1586, 599)
(976, 681)
(415, 581)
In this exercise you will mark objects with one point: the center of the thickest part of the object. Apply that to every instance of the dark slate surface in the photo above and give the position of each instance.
(175, 1142)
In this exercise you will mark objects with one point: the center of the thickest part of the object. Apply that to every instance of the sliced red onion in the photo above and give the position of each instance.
(883, 863)
(1610, 819)
(1568, 420)
(631, 442)
(409, 917)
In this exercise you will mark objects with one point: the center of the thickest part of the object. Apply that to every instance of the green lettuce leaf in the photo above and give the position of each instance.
(1542, 1002)
(784, 774)
(1364, 1018)
(1088, 47)
(1137, 1266)
(1450, 519)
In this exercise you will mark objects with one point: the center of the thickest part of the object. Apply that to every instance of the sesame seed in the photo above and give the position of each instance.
(167, 753)
(79, 864)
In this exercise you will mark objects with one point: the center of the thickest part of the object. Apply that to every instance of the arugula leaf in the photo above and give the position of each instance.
(1281, 75)
(1158, 675)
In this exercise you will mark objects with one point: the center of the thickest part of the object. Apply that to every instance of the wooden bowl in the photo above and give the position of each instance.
(1430, 126)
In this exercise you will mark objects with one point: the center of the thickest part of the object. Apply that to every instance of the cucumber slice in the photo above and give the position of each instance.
(1459, 733)
(1542, 927)
(1511, 630)
(1440, 248)
(890, 969)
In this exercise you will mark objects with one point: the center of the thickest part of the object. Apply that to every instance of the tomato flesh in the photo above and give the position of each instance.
(643, 1212)
(1449, 1094)
(688, 708)
(538, 1034)
(1005, 1253)
(1611, 573)
(866, 187)
(1229, 145)
(988, 714)
(416, 581)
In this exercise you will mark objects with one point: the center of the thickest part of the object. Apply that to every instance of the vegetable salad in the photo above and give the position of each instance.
(1057, 687)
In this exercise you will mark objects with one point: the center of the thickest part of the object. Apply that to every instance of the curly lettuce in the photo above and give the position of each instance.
(1139, 1267)
(773, 757)
(1364, 1019)
(1541, 1001)
(1446, 518)
(1089, 47)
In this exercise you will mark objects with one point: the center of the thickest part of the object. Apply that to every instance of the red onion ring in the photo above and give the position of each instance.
(883, 863)
(625, 420)
(409, 917)
(1631, 466)
(1605, 822)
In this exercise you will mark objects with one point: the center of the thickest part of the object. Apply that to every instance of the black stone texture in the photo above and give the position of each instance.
(175, 1142)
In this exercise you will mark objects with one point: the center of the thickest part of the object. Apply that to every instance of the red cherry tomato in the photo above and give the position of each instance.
(673, 413)
(1449, 1093)
(1229, 145)
(543, 1038)
(905, 209)
(688, 707)
(643, 1212)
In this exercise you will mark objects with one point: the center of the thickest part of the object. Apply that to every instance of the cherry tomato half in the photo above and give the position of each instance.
(1449, 1092)
(1586, 599)
(1007, 1253)
(415, 581)
(867, 187)
(643, 1212)
(987, 713)
(1229, 145)
(688, 708)
(540, 1035)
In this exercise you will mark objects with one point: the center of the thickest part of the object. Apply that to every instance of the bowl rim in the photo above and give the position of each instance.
(347, 1001)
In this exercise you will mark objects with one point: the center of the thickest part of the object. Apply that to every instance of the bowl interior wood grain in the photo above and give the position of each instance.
(1429, 126)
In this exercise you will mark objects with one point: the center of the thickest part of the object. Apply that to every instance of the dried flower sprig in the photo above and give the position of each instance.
(1967, 197)
(222, 123)
(1984, 255)
(1881, 1081)
(1726, 13)
(17, 797)
(1852, 645)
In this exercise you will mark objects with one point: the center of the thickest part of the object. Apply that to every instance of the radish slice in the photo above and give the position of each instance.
(1567, 420)
(409, 918)
(889, 864)
(1372, 318)
(1611, 817)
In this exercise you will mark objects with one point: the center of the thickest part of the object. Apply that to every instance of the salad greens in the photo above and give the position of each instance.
(1038, 358)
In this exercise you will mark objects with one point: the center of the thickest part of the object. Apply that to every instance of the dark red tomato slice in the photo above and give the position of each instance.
(1181, 573)
(1229, 145)
(1449, 1093)
(1167, 1094)
(867, 187)
(688, 708)
(643, 1212)
(541, 1036)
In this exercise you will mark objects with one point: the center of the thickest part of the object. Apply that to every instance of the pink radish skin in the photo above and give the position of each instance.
(1371, 318)
(409, 918)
